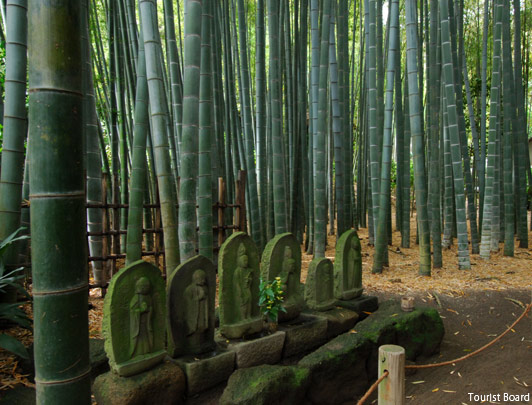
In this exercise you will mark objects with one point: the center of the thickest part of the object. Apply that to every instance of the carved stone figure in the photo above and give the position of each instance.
(282, 258)
(197, 304)
(319, 286)
(238, 270)
(191, 291)
(243, 278)
(140, 314)
(348, 267)
(134, 319)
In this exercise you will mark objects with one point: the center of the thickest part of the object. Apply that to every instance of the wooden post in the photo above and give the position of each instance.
(108, 270)
(242, 201)
(221, 203)
(392, 388)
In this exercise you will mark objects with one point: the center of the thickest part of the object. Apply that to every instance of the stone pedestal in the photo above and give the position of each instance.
(262, 350)
(339, 320)
(164, 384)
(303, 334)
(363, 305)
(207, 370)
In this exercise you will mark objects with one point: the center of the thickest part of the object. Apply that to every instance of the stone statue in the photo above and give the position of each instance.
(238, 272)
(282, 258)
(197, 304)
(191, 290)
(348, 267)
(319, 286)
(140, 314)
(242, 279)
(134, 319)
(289, 284)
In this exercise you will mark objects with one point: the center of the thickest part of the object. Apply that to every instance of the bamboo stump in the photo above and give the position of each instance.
(392, 388)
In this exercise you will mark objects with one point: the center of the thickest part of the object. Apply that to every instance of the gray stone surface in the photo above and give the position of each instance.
(363, 306)
(98, 358)
(263, 350)
(205, 372)
(163, 385)
(191, 291)
(303, 334)
(339, 320)
(267, 385)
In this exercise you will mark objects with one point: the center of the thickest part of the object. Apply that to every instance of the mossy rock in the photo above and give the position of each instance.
(266, 384)
(164, 384)
(343, 368)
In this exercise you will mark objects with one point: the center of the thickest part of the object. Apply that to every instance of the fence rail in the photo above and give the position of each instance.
(111, 231)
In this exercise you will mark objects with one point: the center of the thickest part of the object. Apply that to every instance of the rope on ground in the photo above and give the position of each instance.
(373, 388)
(446, 363)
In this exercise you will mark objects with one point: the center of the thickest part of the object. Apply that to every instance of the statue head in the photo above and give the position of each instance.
(242, 257)
(353, 243)
(199, 277)
(143, 286)
(287, 252)
(288, 261)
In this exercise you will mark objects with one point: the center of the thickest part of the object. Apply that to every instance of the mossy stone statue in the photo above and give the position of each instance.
(238, 270)
(348, 267)
(191, 290)
(134, 319)
(282, 258)
(319, 292)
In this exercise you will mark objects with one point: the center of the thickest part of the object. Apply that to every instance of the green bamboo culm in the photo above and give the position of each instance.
(279, 184)
(138, 161)
(15, 126)
(165, 177)
(189, 141)
(380, 240)
(485, 243)
(254, 211)
(205, 217)
(508, 135)
(420, 180)
(320, 196)
(450, 97)
(59, 257)
(93, 161)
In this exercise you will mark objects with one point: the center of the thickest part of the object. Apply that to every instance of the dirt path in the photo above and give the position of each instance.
(471, 321)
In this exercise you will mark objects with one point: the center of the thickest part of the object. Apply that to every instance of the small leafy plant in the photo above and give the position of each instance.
(271, 298)
(11, 312)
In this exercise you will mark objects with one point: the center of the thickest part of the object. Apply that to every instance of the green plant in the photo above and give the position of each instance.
(271, 298)
(12, 312)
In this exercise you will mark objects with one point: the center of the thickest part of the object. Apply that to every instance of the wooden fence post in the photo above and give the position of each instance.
(242, 201)
(108, 270)
(392, 388)
(221, 203)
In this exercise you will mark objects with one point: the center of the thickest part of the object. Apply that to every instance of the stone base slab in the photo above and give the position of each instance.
(162, 385)
(339, 320)
(206, 371)
(303, 334)
(262, 350)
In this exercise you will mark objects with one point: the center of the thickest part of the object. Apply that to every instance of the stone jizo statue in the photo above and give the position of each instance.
(197, 304)
(140, 314)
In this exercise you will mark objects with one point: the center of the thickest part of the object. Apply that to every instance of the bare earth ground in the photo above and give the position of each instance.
(476, 306)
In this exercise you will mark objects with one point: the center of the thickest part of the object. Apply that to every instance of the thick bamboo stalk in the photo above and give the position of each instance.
(59, 256)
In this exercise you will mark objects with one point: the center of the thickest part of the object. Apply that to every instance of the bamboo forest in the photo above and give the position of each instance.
(165, 154)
